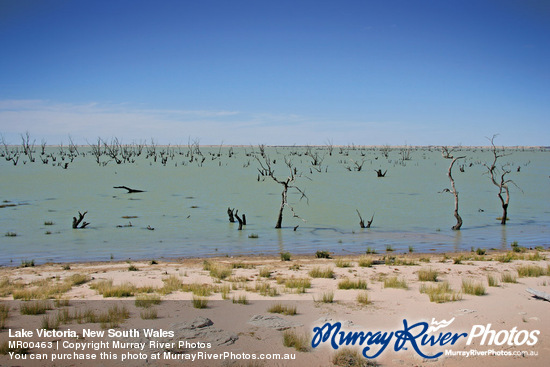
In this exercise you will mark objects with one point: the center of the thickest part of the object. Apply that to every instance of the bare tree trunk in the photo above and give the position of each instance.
(239, 219)
(458, 224)
(283, 203)
(504, 205)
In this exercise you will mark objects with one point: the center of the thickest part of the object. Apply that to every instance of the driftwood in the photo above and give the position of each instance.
(130, 190)
(76, 222)
(539, 294)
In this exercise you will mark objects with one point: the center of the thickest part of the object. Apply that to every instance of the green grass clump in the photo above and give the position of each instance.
(347, 357)
(27, 263)
(149, 314)
(265, 289)
(363, 298)
(427, 275)
(242, 299)
(508, 277)
(505, 258)
(517, 248)
(107, 289)
(265, 272)
(241, 265)
(132, 268)
(171, 284)
(147, 300)
(285, 256)
(322, 255)
(49, 323)
(78, 279)
(297, 341)
(220, 271)
(113, 317)
(342, 263)
(201, 290)
(365, 261)
(481, 251)
(299, 284)
(370, 251)
(525, 271)
(4, 314)
(394, 282)
(473, 288)
(440, 293)
(326, 297)
(317, 272)
(35, 307)
(282, 309)
(492, 280)
(352, 284)
(200, 302)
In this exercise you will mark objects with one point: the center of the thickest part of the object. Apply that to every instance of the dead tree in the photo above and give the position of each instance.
(379, 173)
(498, 178)
(453, 191)
(230, 214)
(242, 221)
(362, 222)
(77, 222)
(287, 184)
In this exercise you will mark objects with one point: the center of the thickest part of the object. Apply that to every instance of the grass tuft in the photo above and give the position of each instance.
(285, 256)
(241, 299)
(508, 277)
(427, 275)
(317, 272)
(326, 297)
(492, 280)
(394, 282)
(147, 300)
(347, 357)
(474, 288)
(294, 340)
(363, 298)
(365, 261)
(282, 309)
(525, 271)
(200, 302)
(352, 284)
(35, 307)
(440, 293)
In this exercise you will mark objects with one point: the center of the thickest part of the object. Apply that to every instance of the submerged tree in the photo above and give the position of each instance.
(447, 155)
(498, 178)
(287, 184)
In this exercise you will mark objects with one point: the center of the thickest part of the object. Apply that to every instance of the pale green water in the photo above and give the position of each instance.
(186, 203)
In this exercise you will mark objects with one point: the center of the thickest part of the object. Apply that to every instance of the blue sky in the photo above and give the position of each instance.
(276, 72)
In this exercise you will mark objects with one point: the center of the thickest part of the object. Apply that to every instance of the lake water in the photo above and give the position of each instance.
(186, 203)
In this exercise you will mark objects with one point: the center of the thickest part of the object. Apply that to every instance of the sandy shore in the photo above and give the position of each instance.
(238, 292)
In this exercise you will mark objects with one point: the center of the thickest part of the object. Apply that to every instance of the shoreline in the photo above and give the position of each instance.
(367, 292)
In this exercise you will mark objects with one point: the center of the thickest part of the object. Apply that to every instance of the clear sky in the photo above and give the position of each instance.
(441, 72)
